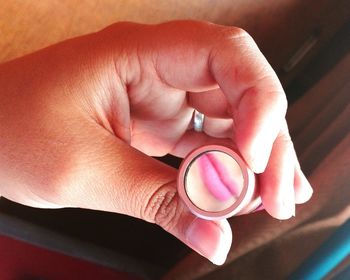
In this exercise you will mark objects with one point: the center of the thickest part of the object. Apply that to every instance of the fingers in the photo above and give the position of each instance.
(208, 56)
(277, 182)
(302, 187)
(112, 176)
(218, 128)
(257, 100)
(212, 103)
(211, 239)
(283, 184)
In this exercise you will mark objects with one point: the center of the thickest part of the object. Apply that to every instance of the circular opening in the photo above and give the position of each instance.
(213, 181)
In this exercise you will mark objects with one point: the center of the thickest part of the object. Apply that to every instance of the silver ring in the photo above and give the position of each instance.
(198, 121)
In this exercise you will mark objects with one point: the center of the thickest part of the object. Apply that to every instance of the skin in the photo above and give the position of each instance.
(79, 121)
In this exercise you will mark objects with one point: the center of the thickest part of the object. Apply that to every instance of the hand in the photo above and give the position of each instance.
(80, 119)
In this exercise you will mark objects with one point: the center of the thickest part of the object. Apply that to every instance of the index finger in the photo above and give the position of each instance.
(255, 96)
(208, 56)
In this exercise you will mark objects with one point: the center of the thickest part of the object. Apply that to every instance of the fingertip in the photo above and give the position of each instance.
(281, 210)
(303, 189)
(279, 201)
(211, 239)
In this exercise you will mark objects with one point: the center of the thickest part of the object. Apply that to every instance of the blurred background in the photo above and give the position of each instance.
(308, 45)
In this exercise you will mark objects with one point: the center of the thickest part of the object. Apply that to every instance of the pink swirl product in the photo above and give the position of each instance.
(215, 183)
(216, 178)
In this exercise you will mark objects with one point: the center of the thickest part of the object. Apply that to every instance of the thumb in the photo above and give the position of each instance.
(115, 177)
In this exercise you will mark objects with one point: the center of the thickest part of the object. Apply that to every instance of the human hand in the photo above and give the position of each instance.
(80, 119)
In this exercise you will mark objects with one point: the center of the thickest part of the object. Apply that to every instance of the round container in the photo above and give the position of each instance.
(215, 183)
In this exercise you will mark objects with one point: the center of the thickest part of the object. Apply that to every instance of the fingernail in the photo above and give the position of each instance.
(208, 239)
(288, 205)
(307, 189)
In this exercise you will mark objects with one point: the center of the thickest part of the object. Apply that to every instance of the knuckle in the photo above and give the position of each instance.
(236, 35)
(241, 33)
(163, 207)
(235, 32)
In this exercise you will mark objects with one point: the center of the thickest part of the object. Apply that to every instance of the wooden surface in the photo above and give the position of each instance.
(279, 27)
